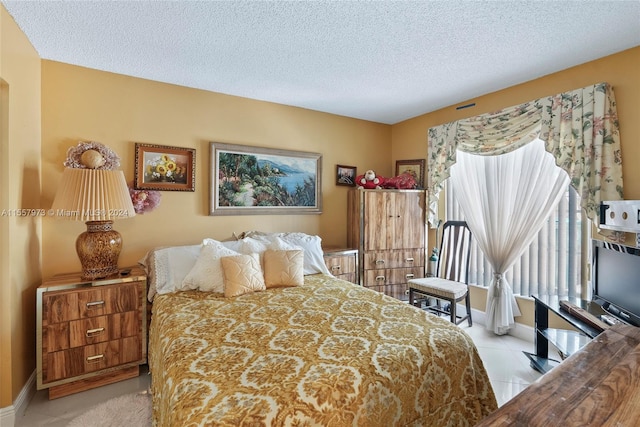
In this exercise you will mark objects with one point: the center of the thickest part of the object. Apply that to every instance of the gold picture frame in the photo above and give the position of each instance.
(164, 168)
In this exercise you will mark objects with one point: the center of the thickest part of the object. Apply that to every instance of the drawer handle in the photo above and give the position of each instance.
(409, 276)
(94, 332)
(380, 279)
(95, 359)
(379, 261)
(94, 304)
(335, 267)
(409, 260)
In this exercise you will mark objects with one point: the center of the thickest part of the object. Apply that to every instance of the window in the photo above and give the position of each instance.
(553, 263)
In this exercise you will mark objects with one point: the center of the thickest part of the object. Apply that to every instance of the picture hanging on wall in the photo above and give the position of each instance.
(415, 167)
(248, 180)
(161, 167)
(346, 175)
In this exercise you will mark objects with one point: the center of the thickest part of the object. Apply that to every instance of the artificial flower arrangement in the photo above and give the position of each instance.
(164, 168)
(144, 200)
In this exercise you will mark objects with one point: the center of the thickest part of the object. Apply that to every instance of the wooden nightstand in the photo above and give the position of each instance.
(90, 333)
(342, 263)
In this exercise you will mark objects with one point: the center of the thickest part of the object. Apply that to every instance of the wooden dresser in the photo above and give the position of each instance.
(389, 229)
(597, 386)
(90, 333)
(342, 263)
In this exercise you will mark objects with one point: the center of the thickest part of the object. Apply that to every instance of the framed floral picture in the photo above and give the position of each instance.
(415, 167)
(346, 175)
(161, 167)
(248, 180)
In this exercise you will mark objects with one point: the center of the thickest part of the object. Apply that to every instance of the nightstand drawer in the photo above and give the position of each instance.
(62, 306)
(81, 360)
(340, 264)
(61, 336)
(349, 277)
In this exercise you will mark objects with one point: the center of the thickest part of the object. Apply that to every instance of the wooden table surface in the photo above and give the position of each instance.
(597, 386)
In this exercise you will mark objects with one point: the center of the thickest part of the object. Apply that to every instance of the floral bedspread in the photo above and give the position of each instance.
(328, 353)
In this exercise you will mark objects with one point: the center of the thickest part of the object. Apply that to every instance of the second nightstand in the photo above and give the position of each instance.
(342, 263)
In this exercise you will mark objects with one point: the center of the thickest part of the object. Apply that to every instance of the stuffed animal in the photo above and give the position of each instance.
(369, 180)
(404, 181)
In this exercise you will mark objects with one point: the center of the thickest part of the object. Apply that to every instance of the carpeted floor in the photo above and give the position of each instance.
(131, 410)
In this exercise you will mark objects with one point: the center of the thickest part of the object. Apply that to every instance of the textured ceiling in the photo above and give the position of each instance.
(381, 61)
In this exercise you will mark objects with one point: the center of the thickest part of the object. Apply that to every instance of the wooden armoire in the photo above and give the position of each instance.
(389, 229)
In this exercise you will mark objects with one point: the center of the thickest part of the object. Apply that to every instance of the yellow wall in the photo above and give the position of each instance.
(20, 237)
(622, 71)
(84, 104)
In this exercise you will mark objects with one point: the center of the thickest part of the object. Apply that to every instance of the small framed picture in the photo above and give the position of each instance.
(346, 175)
(415, 167)
(161, 167)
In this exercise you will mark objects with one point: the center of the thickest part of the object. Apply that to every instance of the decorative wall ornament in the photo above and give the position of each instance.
(92, 155)
(144, 201)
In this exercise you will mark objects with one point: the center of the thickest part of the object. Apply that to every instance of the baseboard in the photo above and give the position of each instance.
(523, 332)
(478, 316)
(520, 331)
(8, 414)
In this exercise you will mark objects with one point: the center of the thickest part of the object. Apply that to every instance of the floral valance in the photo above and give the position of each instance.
(579, 128)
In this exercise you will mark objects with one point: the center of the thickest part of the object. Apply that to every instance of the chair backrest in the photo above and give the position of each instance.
(455, 250)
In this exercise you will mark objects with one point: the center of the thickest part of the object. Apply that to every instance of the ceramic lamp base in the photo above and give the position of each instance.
(98, 249)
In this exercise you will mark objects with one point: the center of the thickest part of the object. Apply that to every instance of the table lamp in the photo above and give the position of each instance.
(96, 196)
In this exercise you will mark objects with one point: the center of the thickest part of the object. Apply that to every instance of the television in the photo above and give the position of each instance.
(615, 280)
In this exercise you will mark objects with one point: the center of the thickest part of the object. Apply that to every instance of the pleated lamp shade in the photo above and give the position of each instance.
(93, 195)
(97, 197)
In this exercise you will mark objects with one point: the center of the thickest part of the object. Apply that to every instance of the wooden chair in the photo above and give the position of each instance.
(451, 281)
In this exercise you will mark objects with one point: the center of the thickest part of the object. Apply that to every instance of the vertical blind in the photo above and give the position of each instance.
(551, 265)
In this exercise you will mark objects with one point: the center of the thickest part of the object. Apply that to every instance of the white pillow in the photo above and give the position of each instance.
(257, 244)
(312, 246)
(260, 241)
(234, 245)
(167, 267)
(206, 275)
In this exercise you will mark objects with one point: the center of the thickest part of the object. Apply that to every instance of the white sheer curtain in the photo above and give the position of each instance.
(506, 200)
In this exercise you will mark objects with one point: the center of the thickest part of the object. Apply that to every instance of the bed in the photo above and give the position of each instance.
(315, 351)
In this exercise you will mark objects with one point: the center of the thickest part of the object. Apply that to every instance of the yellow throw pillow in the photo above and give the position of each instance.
(242, 275)
(283, 268)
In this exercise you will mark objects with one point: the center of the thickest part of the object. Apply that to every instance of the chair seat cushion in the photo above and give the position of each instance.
(438, 287)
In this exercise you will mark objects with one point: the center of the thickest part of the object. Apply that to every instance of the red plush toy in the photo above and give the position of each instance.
(404, 181)
(370, 180)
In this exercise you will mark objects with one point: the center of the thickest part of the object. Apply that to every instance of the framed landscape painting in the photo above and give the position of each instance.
(248, 180)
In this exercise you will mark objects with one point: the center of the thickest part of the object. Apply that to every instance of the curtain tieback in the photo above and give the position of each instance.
(497, 278)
